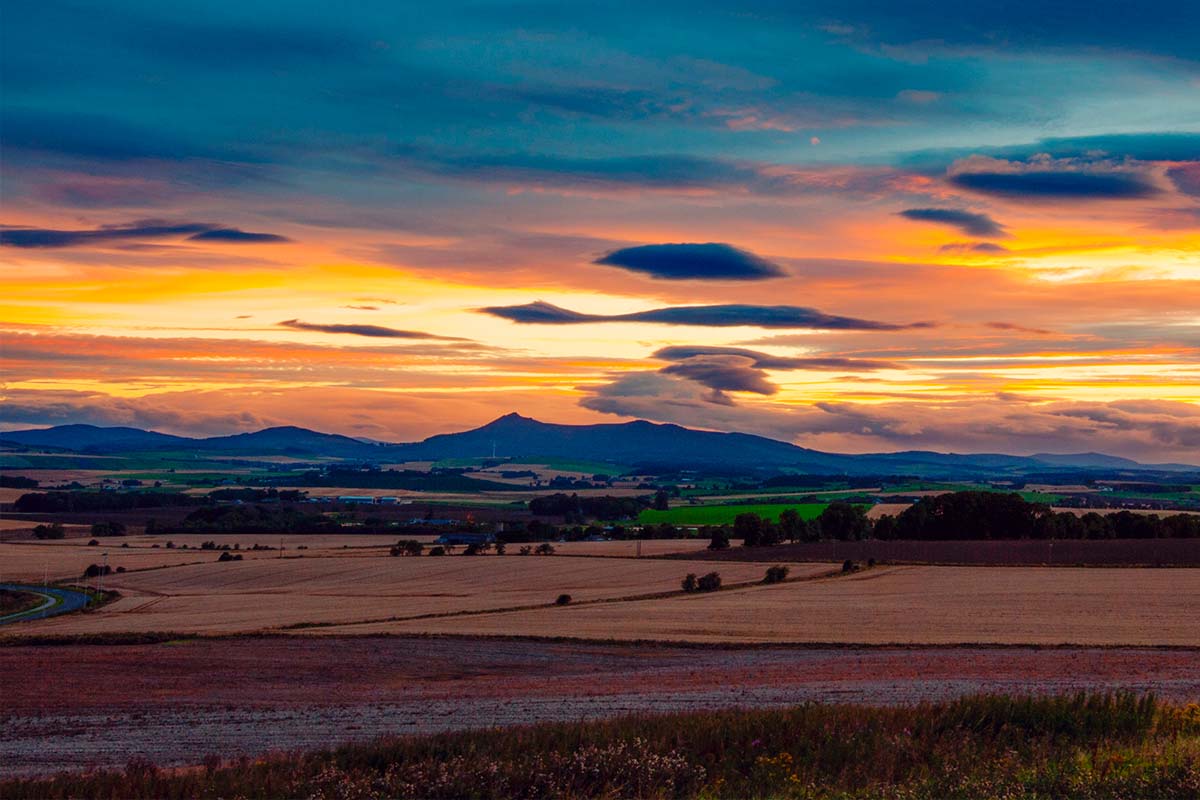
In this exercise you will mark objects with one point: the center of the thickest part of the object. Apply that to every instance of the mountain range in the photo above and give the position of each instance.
(637, 443)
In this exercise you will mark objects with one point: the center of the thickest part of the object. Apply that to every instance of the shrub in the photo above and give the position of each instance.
(849, 566)
(93, 543)
(719, 539)
(710, 582)
(524, 551)
(228, 556)
(437, 551)
(689, 582)
(95, 570)
(500, 548)
(776, 574)
(563, 599)
(544, 549)
(108, 529)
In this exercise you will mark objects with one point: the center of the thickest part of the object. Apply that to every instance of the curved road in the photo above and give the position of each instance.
(56, 601)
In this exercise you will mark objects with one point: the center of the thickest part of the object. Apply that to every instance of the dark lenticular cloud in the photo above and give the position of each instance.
(1051, 184)
(134, 231)
(373, 331)
(233, 235)
(709, 261)
(968, 222)
(722, 316)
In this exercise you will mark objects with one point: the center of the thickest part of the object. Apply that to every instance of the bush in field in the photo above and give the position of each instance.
(228, 556)
(54, 530)
(437, 551)
(718, 538)
(500, 548)
(709, 582)
(95, 570)
(524, 551)
(688, 583)
(562, 600)
(408, 547)
(93, 543)
(108, 529)
(776, 574)
(849, 566)
(544, 549)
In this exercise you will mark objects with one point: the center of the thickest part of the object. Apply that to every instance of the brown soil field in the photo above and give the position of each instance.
(268, 593)
(176, 702)
(1016, 552)
(885, 605)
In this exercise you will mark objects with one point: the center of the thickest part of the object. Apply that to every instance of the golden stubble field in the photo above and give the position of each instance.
(902, 605)
(268, 593)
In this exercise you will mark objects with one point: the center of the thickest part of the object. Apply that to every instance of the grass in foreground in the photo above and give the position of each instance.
(1088, 746)
(14, 602)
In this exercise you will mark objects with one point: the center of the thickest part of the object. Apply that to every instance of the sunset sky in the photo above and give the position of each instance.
(855, 226)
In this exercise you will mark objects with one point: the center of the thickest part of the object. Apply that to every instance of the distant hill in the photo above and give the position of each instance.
(94, 439)
(1087, 460)
(513, 436)
(290, 440)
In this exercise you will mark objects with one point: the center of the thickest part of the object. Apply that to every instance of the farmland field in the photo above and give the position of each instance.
(267, 593)
(886, 605)
(725, 514)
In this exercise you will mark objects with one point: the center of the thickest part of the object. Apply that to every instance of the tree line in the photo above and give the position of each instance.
(963, 516)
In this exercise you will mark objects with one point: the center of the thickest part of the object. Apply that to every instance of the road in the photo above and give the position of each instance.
(56, 601)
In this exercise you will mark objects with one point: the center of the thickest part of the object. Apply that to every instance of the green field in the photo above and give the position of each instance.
(725, 514)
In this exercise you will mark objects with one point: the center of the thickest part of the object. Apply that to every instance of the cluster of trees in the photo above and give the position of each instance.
(252, 519)
(407, 547)
(970, 515)
(63, 502)
(17, 482)
(248, 495)
(576, 509)
(993, 515)
(839, 520)
(440, 481)
(54, 530)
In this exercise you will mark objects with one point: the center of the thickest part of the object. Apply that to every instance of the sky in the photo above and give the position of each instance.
(856, 226)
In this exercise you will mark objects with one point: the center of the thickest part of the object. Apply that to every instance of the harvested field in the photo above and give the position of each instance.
(893, 509)
(918, 605)
(30, 561)
(629, 548)
(291, 541)
(176, 702)
(270, 593)
(1016, 552)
